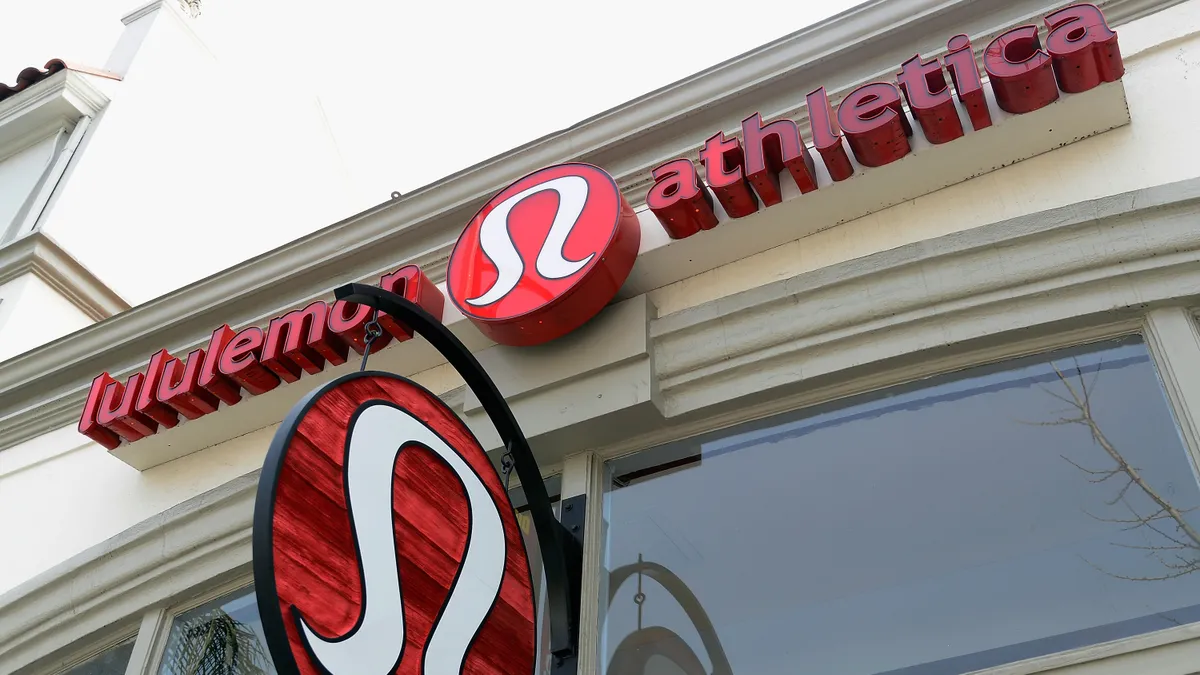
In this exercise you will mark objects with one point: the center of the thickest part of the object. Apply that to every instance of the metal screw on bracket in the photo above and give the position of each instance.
(372, 331)
(506, 468)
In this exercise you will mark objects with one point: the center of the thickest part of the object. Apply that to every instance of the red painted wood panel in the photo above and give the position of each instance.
(316, 568)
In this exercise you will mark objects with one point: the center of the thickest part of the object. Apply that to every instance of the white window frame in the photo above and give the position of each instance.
(156, 624)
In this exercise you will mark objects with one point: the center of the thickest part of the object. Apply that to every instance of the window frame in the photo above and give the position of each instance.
(96, 648)
(163, 619)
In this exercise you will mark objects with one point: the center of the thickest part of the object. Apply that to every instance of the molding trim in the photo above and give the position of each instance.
(145, 10)
(40, 255)
(153, 6)
(1174, 337)
(85, 96)
(57, 101)
(995, 280)
(597, 385)
(179, 553)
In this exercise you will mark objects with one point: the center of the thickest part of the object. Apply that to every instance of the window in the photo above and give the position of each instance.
(222, 637)
(110, 662)
(964, 522)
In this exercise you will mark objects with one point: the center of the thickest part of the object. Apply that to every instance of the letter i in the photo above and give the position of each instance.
(968, 84)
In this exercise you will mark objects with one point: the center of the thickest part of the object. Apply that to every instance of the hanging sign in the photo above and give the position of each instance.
(384, 541)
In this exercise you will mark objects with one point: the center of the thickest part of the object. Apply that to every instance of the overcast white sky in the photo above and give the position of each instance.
(388, 72)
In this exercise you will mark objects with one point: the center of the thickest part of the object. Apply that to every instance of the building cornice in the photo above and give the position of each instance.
(44, 388)
(40, 255)
(1004, 278)
(57, 102)
(143, 11)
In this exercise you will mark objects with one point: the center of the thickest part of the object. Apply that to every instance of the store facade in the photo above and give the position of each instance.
(917, 396)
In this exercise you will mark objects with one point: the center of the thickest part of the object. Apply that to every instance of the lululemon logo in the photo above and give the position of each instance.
(384, 542)
(544, 255)
(498, 245)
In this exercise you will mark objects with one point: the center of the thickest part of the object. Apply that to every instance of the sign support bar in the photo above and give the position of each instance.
(562, 553)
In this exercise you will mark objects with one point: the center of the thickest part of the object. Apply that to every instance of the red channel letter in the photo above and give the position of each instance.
(680, 202)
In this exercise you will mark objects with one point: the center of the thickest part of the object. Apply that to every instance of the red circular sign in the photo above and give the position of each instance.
(384, 541)
(544, 255)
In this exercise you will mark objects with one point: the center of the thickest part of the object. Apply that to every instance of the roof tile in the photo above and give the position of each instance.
(31, 76)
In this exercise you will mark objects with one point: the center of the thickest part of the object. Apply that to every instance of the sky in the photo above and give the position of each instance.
(390, 74)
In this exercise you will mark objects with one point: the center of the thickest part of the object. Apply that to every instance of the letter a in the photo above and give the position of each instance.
(680, 202)
(1084, 49)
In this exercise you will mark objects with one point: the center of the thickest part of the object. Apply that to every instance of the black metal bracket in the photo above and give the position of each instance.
(561, 550)
(572, 514)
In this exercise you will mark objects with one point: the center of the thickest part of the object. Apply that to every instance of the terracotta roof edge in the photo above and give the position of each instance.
(32, 75)
(87, 70)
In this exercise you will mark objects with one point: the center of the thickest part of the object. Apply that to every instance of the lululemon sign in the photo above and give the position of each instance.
(385, 543)
(544, 255)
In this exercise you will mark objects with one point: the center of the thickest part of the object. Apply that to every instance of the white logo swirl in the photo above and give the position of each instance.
(374, 646)
(498, 246)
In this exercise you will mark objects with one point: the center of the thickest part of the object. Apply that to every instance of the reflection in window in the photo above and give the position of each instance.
(223, 637)
(964, 522)
(538, 573)
(110, 662)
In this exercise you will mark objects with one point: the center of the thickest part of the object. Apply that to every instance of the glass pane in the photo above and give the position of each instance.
(533, 550)
(223, 637)
(964, 522)
(112, 662)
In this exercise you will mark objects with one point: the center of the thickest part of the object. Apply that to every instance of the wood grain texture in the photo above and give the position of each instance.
(315, 562)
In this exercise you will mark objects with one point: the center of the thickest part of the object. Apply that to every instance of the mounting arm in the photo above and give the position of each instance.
(562, 555)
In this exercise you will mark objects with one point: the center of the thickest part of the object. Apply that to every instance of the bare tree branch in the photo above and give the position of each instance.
(1185, 545)
(1084, 404)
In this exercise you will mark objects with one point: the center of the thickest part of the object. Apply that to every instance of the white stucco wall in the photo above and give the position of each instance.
(193, 144)
(62, 469)
(9, 291)
(19, 175)
(32, 313)
(68, 493)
